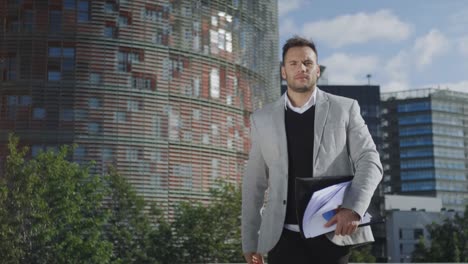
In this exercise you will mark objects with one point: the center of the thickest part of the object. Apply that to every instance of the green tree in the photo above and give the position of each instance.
(210, 233)
(362, 255)
(135, 238)
(51, 210)
(449, 241)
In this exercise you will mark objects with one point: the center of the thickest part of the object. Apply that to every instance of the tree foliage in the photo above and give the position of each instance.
(55, 211)
(449, 241)
(210, 233)
(362, 255)
(51, 210)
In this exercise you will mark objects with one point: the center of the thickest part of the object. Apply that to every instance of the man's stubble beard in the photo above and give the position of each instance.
(302, 88)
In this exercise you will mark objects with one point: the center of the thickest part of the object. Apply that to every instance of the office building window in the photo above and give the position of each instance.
(132, 154)
(66, 115)
(157, 127)
(214, 168)
(120, 117)
(94, 103)
(106, 154)
(109, 7)
(214, 83)
(123, 21)
(8, 68)
(110, 32)
(95, 78)
(94, 128)
(132, 106)
(55, 52)
(54, 76)
(28, 21)
(39, 113)
(69, 4)
(55, 21)
(83, 11)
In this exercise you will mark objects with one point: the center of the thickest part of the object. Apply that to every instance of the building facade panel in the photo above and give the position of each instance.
(426, 145)
(162, 90)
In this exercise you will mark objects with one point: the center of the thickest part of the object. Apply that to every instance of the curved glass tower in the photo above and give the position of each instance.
(161, 89)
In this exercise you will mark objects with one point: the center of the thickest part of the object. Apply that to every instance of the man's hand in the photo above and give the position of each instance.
(253, 258)
(346, 220)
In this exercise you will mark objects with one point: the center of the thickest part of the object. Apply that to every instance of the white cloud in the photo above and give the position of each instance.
(349, 69)
(428, 47)
(287, 6)
(397, 68)
(358, 28)
(463, 46)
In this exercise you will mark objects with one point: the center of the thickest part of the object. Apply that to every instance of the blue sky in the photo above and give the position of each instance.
(403, 44)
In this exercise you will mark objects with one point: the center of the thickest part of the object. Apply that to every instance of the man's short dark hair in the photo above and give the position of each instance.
(297, 41)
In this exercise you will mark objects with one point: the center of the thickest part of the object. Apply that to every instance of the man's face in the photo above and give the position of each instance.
(300, 69)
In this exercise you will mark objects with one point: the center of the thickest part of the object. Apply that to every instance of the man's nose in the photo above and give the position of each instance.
(303, 67)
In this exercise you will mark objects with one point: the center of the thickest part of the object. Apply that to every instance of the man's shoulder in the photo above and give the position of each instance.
(267, 109)
(338, 100)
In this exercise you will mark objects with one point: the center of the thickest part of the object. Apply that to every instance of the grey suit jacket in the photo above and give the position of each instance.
(342, 146)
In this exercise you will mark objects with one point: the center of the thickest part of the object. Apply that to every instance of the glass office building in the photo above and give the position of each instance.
(425, 145)
(161, 89)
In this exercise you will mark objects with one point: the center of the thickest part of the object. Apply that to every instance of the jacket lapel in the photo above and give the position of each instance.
(321, 111)
(277, 116)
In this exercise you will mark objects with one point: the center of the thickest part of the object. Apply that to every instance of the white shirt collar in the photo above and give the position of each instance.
(305, 107)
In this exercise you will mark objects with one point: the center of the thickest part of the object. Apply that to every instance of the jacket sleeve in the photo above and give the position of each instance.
(254, 184)
(366, 160)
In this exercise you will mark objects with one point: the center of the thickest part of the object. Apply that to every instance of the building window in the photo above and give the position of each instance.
(69, 4)
(109, 7)
(28, 21)
(55, 52)
(95, 78)
(214, 168)
(94, 103)
(55, 21)
(66, 115)
(106, 154)
(132, 106)
(54, 76)
(110, 32)
(196, 114)
(8, 68)
(132, 154)
(157, 127)
(120, 117)
(83, 11)
(123, 21)
(206, 139)
(125, 59)
(214, 83)
(39, 113)
(24, 100)
(94, 128)
(36, 149)
(196, 87)
(142, 83)
(79, 154)
(214, 129)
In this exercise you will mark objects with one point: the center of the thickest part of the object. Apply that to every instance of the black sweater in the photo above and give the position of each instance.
(300, 139)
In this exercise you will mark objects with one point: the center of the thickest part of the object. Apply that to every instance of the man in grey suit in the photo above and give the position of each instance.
(306, 133)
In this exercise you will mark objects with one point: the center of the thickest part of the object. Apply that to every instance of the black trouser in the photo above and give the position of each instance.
(292, 248)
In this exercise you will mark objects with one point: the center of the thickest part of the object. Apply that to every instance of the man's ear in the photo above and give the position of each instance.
(283, 72)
